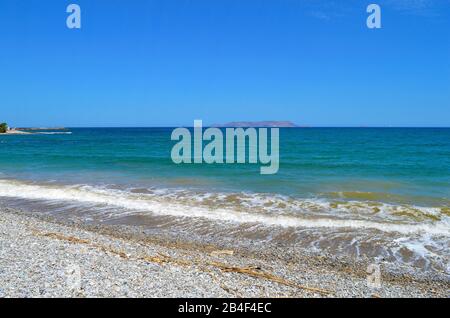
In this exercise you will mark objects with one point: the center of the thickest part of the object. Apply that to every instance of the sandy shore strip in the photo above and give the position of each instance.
(16, 132)
(44, 258)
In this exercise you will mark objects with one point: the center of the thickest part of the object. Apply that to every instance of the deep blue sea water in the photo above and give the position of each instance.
(365, 181)
(409, 165)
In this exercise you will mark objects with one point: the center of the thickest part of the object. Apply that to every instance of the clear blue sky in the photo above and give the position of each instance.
(168, 62)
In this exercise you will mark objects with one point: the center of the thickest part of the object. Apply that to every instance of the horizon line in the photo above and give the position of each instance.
(213, 126)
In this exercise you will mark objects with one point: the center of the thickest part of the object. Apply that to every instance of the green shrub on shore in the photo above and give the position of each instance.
(3, 128)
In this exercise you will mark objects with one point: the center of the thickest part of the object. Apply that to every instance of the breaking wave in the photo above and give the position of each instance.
(332, 224)
(245, 208)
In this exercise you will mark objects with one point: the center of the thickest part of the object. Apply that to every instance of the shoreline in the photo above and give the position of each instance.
(15, 132)
(41, 257)
(35, 132)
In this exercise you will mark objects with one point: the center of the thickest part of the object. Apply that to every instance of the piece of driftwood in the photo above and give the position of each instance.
(222, 252)
(66, 238)
(253, 271)
(257, 272)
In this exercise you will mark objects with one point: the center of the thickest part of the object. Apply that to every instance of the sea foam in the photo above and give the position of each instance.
(158, 204)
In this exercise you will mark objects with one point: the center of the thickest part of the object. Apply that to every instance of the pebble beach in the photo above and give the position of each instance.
(41, 257)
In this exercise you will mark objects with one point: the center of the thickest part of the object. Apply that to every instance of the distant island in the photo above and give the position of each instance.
(41, 128)
(258, 124)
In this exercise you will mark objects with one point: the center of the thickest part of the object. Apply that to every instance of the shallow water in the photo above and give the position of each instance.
(378, 193)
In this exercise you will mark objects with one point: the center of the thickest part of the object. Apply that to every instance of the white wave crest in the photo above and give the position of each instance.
(140, 202)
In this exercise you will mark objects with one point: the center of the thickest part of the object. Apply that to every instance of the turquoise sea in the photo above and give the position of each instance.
(382, 193)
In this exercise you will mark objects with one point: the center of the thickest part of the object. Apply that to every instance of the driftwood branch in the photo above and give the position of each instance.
(252, 271)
